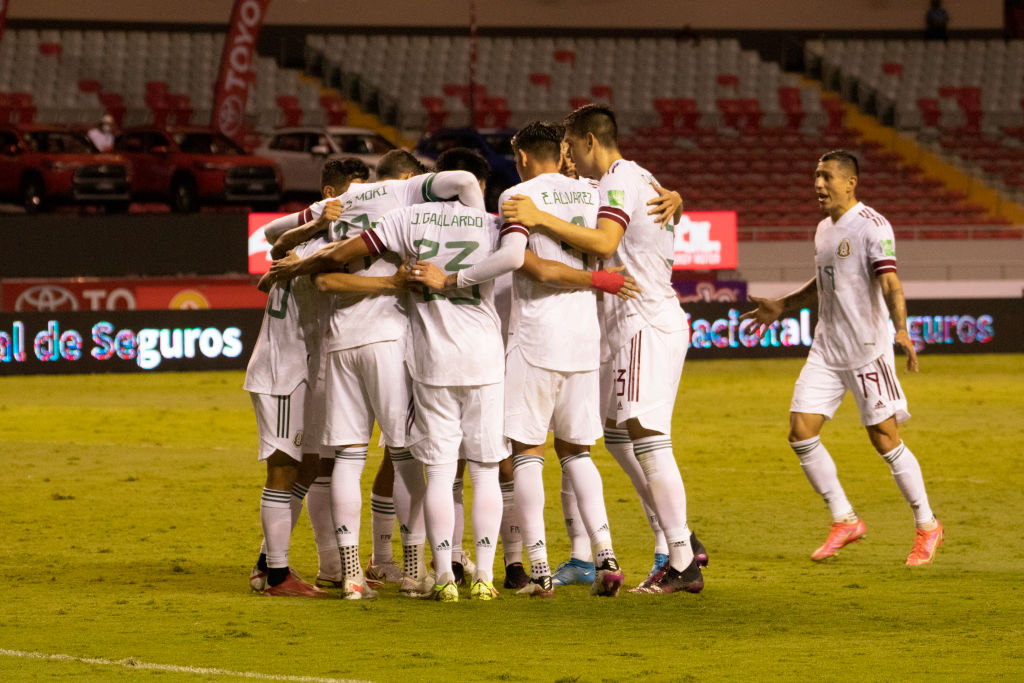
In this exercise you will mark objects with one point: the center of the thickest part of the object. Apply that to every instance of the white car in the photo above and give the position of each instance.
(300, 151)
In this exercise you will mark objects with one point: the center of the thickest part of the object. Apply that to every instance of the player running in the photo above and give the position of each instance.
(857, 292)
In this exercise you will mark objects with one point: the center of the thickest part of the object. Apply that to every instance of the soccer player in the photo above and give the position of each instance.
(857, 292)
(645, 338)
(290, 335)
(278, 379)
(367, 373)
(553, 357)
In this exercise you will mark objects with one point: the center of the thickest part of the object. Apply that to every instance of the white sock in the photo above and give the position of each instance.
(654, 453)
(458, 520)
(586, 482)
(579, 540)
(486, 515)
(439, 515)
(618, 443)
(298, 493)
(528, 476)
(907, 473)
(820, 470)
(382, 510)
(409, 491)
(347, 495)
(511, 527)
(318, 504)
(276, 519)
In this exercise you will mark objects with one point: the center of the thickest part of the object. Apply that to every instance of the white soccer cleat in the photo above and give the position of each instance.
(356, 589)
(385, 572)
(422, 587)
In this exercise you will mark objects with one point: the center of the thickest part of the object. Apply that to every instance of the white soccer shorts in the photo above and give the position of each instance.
(538, 400)
(364, 384)
(279, 422)
(447, 418)
(820, 389)
(641, 380)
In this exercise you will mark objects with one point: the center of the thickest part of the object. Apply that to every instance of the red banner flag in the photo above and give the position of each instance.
(237, 67)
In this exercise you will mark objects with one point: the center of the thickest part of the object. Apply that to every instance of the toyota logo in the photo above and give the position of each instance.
(46, 298)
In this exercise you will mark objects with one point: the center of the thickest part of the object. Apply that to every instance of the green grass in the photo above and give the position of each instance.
(130, 520)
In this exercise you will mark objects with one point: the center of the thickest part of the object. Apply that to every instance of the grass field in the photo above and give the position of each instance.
(129, 520)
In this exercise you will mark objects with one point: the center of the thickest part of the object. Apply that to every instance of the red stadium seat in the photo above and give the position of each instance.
(88, 85)
(23, 106)
(603, 92)
(789, 102)
(114, 105)
(577, 102)
(291, 112)
(541, 79)
(335, 110)
(930, 111)
(436, 113)
(566, 56)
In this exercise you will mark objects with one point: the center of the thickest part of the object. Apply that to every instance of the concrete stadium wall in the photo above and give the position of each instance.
(802, 15)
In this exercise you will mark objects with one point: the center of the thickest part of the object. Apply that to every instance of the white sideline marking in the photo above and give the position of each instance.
(132, 663)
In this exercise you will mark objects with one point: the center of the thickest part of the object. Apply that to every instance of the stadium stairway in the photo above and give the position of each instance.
(952, 177)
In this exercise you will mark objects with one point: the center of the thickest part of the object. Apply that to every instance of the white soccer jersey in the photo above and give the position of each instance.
(853, 320)
(555, 328)
(360, 319)
(279, 359)
(646, 250)
(456, 338)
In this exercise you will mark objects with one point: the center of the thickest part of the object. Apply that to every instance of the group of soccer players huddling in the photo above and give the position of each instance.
(382, 309)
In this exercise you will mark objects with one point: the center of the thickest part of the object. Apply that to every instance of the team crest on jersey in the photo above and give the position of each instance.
(298, 438)
(844, 248)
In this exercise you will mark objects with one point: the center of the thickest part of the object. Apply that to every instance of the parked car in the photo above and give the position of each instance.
(190, 166)
(43, 165)
(493, 143)
(301, 150)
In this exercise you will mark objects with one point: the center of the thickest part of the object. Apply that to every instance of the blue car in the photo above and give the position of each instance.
(494, 144)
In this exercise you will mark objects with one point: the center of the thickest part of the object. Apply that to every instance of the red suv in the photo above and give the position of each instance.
(42, 165)
(190, 166)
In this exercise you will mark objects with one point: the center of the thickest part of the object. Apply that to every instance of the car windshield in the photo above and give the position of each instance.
(501, 144)
(206, 143)
(59, 142)
(361, 143)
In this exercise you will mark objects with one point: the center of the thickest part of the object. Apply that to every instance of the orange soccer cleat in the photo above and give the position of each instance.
(926, 542)
(840, 535)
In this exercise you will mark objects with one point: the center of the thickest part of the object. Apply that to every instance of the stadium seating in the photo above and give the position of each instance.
(731, 128)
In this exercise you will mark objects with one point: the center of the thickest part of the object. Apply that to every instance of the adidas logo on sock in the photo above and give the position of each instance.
(537, 546)
(403, 528)
(484, 542)
(679, 544)
(444, 545)
(341, 529)
(604, 527)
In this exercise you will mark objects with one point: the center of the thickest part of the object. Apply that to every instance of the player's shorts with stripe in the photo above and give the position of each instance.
(314, 421)
(446, 418)
(279, 422)
(820, 389)
(538, 400)
(364, 384)
(642, 378)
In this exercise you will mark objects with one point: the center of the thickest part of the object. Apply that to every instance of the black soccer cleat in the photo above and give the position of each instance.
(515, 576)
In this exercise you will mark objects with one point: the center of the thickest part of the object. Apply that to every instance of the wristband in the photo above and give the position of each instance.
(607, 281)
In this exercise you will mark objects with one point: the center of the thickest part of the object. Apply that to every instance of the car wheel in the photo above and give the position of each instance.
(32, 194)
(184, 198)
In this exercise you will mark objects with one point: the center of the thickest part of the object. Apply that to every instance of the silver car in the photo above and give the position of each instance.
(300, 151)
